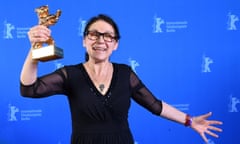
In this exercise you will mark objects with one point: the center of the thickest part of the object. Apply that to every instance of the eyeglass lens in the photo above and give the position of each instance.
(95, 35)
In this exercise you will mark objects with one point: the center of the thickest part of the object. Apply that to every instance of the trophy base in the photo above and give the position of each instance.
(47, 53)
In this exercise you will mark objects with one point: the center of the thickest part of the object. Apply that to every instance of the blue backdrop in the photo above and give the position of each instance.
(186, 52)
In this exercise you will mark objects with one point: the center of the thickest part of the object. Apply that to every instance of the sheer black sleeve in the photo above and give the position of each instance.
(143, 96)
(46, 85)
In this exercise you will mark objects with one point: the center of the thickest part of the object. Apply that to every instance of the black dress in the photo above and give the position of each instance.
(96, 118)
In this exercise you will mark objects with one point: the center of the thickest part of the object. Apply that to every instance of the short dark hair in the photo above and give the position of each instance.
(105, 18)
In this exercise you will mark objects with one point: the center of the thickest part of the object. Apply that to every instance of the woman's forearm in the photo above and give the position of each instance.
(29, 70)
(173, 114)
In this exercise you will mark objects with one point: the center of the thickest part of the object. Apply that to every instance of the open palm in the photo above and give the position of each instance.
(201, 125)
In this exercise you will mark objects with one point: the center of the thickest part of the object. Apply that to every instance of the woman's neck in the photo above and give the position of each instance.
(98, 68)
(100, 74)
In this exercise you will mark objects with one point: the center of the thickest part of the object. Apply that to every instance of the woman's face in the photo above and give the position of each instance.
(99, 41)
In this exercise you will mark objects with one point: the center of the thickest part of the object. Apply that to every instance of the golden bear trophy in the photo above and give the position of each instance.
(50, 51)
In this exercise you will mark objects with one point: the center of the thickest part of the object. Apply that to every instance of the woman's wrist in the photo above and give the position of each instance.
(188, 120)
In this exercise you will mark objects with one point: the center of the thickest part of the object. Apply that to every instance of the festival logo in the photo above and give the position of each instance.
(7, 30)
(82, 24)
(233, 102)
(161, 25)
(206, 61)
(12, 110)
(133, 64)
(232, 19)
(10, 31)
(16, 114)
(157, 25)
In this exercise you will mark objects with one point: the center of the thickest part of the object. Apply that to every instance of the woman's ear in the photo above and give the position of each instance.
(116, 46)
(83, 43)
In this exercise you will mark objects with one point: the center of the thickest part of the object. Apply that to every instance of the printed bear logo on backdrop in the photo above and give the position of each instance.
(205, 65)
(233, 104)
(8, 27)
(12, 112)
(232, 19)
(158, 21)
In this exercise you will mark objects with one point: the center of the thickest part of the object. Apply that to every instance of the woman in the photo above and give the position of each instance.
(99, 91)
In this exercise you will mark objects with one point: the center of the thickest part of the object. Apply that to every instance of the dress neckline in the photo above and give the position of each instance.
(93, 87)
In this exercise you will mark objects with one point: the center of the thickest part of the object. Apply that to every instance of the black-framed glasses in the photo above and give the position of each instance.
(95, 35)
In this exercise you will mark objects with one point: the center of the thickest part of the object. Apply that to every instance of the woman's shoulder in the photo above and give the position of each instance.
(122, 66)
(71, 68)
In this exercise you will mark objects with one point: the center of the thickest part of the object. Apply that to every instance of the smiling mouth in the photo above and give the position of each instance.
(99, 49)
